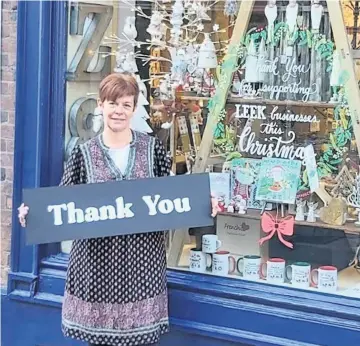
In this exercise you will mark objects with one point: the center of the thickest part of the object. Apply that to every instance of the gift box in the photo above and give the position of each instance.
(240, 235)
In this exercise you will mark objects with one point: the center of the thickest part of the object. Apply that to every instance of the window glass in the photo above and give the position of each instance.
(284, 160)
(94, 27)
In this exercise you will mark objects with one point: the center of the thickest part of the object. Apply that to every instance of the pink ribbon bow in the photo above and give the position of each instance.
(282, 227)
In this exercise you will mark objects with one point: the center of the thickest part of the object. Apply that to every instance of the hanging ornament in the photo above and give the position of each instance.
(179, 65)
(187, 3)
(261, 62)
(129, 64)
(207, 54)
(291, 15)
(317, 11)
(271, 15)
(231, 7)
(165, 89)
(201, 11)
(251, 64)
(176, 22)
(130, 28)
(120, 57)
(156, 28)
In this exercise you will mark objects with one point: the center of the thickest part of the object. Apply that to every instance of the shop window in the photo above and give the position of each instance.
(101, 40)
(284, 159)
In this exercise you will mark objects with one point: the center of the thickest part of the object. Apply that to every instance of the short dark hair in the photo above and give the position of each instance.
(118, 85)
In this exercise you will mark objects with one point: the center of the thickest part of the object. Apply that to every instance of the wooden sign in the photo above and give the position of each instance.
(117, 208)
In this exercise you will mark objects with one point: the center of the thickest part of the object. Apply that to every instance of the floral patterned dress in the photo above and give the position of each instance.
(115, 290)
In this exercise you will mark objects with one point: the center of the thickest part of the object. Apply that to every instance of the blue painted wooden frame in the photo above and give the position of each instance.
(39, 123)
(220, 308)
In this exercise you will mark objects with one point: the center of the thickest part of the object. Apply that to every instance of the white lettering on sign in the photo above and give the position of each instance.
(151, 204)
(292, 70)
(91, 214)
(250, 112)
(166, 206)
(277, 147)
(271, 129)
(123, 210)
(120, 210)
(57, 213)
(269, 66)
(299, 118)
(292, 88)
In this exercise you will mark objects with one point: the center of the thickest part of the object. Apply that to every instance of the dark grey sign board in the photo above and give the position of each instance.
(117, 208)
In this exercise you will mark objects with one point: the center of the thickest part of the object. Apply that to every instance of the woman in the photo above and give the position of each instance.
(115, 291)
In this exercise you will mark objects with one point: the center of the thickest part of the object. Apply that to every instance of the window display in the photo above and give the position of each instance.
(285, 142)
(265, 91)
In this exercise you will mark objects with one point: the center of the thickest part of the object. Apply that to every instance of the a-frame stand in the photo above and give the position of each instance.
(351, 87)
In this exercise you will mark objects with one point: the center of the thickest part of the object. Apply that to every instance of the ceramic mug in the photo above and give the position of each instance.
(223, 263)
(325, 278)
(198, 261)
(249, 267)
(210, 243)
(273, 270)
(298, 274)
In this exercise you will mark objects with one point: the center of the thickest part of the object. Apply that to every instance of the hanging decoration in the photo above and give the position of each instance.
(271, 14)
(176, 22)
(176, 27)
(130, 28)
(207, 54)
(156, 29)
(231, 8)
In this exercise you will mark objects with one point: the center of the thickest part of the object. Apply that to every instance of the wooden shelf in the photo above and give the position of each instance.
(260, 101)
(194, 98)
(255, 215)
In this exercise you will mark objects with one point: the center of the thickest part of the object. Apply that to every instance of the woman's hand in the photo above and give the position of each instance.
(215, 206)
(23, 211)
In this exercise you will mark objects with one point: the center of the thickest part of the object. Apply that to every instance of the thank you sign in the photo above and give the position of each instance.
(117, 208)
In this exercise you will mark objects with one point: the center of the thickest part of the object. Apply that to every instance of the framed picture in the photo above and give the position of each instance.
(243, 180)
(278, 180)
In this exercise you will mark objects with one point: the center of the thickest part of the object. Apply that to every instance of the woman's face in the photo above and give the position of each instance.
(117, 115)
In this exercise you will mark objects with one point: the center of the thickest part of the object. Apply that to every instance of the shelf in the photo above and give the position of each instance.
(348, 278)
(194, 98)
(260, 101)
(255, 215)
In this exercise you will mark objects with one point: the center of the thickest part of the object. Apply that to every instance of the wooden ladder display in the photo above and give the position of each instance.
(240, 28)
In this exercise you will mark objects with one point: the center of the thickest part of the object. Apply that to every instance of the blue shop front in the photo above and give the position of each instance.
(272, 85)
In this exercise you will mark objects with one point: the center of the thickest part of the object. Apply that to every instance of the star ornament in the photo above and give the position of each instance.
(216, 27)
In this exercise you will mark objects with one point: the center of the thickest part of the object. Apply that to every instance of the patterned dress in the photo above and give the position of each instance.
(115, 291)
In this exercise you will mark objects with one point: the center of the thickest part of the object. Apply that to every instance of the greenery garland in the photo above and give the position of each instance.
(225, 136)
